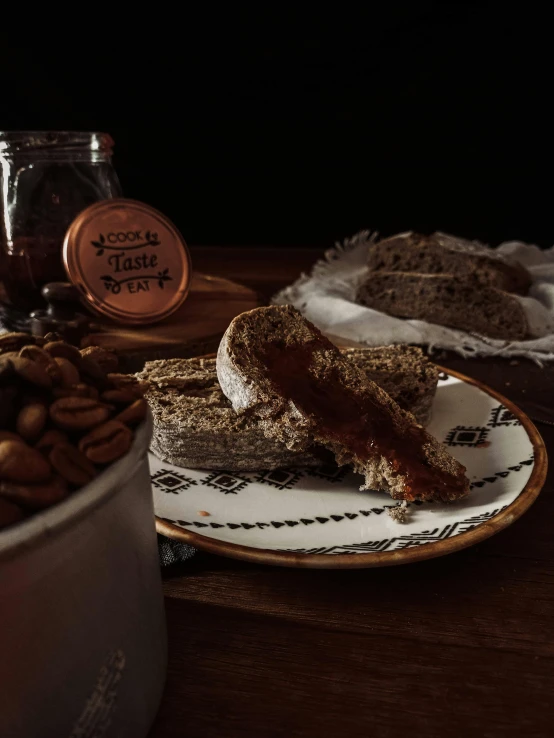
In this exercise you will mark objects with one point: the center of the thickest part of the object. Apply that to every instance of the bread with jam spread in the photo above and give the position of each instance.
(404, 372)
(195, 425)
(275, 365)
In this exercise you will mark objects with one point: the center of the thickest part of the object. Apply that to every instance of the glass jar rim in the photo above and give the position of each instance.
(36, 142)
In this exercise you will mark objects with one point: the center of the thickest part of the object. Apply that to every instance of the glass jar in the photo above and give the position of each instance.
(47, 179)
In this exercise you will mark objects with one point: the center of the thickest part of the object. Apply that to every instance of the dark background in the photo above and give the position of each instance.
(291, 130)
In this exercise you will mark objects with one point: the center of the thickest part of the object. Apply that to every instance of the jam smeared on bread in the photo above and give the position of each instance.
(275, 364)
(359, 421)
(195, 425)
(404, 372)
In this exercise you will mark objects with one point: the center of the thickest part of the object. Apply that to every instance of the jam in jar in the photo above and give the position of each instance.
(47, 179)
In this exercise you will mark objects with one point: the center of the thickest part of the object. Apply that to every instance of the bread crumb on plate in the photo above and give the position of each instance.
(399, 513)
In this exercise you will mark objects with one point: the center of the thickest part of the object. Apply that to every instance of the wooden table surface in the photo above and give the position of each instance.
(456, 646)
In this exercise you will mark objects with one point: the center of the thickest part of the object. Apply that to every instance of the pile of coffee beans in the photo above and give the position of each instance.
(65, 414)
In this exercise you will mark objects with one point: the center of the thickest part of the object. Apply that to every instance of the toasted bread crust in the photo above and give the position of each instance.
(275, 364)
(404, 372)
(195, 425)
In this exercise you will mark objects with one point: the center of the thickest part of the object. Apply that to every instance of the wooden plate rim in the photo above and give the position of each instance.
(389, 558)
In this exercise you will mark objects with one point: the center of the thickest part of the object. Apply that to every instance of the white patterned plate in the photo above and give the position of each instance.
(318, 518)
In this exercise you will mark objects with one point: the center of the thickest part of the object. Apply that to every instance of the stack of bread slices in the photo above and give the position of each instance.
(446, 281)
(280, 394)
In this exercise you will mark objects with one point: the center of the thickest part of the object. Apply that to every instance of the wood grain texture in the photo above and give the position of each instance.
(264, 269)
(195, 328)
(457, 646)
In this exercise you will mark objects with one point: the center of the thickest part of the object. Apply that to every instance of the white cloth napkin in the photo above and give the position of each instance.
(326, 297)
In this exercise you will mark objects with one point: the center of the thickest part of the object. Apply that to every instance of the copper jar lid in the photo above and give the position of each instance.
(129, 261)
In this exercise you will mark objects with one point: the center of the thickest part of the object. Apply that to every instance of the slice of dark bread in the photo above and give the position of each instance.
(195, 425)
(441, 254)
(276, 365)
(404, 372)
(447, 300)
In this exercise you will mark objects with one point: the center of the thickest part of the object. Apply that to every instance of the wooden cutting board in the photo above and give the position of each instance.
(195, 329)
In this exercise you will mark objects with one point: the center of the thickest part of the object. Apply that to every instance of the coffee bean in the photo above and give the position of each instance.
(7, 371)
(107, 442)
(41, 357)
(125, 381)
(78, 413)
(31, 398)
(106, 360)
(49, 382)
(69, 374)
(21, 463)
(15, 341)
(32, 372)
(8, 436)
(63, 350)
(35, 496)
(50, 338)
(50, 439)
(119, 396)
(89, 391)
(35, 353)
(31, 421)
(125, 388)
(133, 414)
(9, 513)
(77, 390)
(8, 405)
(93, 373)
(72, 464)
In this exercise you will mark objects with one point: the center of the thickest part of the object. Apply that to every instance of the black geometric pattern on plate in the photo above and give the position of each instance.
(280, 478)
(502, 474)
(171, 482)
(463, 435)
(227, 482)
(501, 416)
(319, 519)
(328, 472)
(402, 542)
(473, 522)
